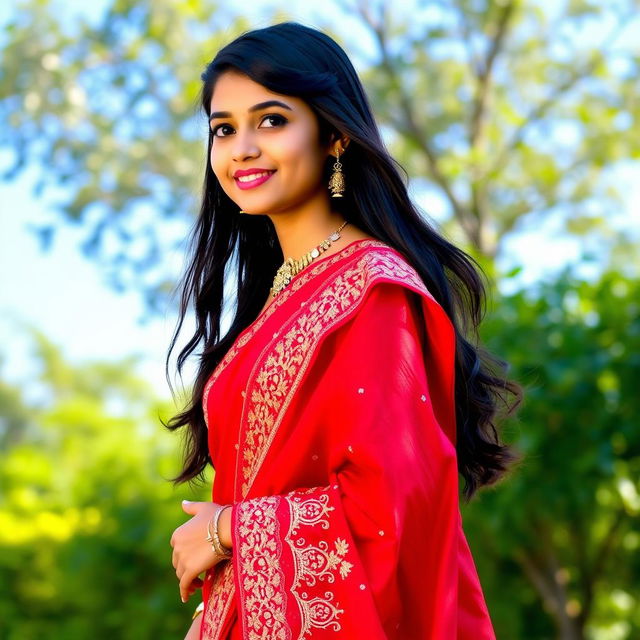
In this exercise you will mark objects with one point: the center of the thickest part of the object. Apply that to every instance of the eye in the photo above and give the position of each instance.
(222, 128)
(276, 120)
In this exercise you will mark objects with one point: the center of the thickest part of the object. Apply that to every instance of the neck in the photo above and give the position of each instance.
(301, 230)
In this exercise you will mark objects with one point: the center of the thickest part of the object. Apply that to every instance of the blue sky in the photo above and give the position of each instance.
(66, 296)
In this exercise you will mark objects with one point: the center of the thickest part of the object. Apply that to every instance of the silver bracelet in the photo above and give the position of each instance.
(212, 534)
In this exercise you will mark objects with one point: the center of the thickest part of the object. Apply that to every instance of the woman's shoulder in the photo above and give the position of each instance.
(383, 278)
(387, 295)
(379, 263)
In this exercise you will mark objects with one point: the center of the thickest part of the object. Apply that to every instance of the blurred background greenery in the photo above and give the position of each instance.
(518, 124)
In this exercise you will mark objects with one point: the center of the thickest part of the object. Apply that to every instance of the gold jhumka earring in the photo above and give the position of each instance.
(336, 182)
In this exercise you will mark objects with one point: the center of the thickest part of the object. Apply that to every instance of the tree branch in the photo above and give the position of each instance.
(465, 35)
(606, 548)
(589, 575)
(576, 530)
(607, 544)
(544, 570)
(478, 120)
(484, 74)
(541, 110)
(408, 124)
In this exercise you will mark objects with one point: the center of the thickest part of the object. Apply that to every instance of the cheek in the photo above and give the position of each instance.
(218, 164)
(302, 156)
(214, 162)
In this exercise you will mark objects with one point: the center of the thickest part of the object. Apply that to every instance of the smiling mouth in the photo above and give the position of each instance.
(254, 176)
(253, 179)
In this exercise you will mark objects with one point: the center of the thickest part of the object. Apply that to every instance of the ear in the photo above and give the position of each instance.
(338, 143)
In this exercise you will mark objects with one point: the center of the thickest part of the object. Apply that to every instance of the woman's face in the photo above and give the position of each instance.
(266, 150)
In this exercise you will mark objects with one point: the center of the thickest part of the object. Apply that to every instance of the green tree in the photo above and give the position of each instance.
(563, 529)
(86, 511)
(106, 109)
(507, 109)
(504, 109)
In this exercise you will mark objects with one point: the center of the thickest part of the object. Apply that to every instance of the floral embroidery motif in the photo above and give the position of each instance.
(314, 563)
(265, 602)
(283, 368)
(259, 549)
(310, 512)
(220, 599)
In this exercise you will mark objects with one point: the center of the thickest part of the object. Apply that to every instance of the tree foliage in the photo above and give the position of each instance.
(562, 529)
(86, 511)
(505, 110)
(107, 110)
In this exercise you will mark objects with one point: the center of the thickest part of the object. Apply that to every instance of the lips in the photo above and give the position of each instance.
(250, 178)
(247, 172)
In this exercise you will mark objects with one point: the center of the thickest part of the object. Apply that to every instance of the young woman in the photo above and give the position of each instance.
(345, 397)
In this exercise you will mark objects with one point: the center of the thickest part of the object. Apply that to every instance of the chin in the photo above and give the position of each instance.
(264, 208)
(255, 210)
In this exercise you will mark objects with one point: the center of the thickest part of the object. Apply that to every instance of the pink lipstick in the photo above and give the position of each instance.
(250, 178)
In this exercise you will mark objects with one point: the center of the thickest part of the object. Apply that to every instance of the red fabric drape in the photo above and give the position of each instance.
(332, 431)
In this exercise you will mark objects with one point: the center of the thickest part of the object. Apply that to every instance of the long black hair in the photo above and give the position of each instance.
(292, 59)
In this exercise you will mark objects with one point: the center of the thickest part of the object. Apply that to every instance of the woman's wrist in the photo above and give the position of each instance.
(224, 528)
(213, 533)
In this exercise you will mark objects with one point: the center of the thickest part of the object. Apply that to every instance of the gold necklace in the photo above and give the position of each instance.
(290, 267)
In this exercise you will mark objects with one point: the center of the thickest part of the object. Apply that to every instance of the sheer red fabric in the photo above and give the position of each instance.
(332, 432)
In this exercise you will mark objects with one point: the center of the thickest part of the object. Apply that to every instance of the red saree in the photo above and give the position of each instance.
(332, 431)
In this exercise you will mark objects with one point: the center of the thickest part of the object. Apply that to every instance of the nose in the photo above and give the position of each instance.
(244, 146)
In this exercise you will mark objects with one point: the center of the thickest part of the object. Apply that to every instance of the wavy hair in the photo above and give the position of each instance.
(292, 59)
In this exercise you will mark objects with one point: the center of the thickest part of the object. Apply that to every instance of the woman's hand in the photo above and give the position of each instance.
(192, 554)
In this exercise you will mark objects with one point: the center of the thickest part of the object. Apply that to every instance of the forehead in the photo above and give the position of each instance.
(236, 92)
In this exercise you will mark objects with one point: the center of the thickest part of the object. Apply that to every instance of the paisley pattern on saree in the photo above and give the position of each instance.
(315, 563)
(299, 281)
(278, 374)
(220, 599)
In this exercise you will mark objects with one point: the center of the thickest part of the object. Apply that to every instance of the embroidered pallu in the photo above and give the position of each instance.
(332, 433)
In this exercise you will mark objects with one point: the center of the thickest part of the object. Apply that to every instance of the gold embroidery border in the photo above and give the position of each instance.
(219, 603)
(282, 368)
(262, 580)
(297, 282)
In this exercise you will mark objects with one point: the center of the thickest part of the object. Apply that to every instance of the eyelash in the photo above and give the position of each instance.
(282, 121)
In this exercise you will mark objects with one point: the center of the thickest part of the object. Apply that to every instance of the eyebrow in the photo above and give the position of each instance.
(256, 107)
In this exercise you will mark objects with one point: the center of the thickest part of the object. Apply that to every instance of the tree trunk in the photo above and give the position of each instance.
(544, 573)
